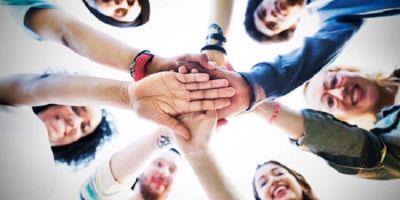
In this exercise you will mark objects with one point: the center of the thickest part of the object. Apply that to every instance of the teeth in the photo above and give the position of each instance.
(356, 95)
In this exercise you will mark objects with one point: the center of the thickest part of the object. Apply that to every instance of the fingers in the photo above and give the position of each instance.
(183, 70)
(190, 78)
(212, 93)
(219, 83)
(201, 58)
(207, 104)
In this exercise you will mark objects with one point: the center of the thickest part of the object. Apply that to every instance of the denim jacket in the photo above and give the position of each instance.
(373, 154)
(340, 20)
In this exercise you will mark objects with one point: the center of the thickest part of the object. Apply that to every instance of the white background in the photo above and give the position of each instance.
(179, 26)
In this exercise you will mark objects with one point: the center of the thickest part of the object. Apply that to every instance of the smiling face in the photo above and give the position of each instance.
(271, 17)
(342, 93)
(67, 124)
(157, 179)
(120, 10)
(273, 182)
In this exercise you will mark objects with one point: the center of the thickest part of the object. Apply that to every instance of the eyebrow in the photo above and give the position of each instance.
(272, 171)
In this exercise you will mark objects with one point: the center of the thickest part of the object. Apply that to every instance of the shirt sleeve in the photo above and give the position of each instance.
(340, 143)
(19, 9)
(101, 185)
(289, 71)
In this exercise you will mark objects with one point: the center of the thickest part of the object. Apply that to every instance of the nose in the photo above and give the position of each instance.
(164, 172)
(338, 93)
(73, 123)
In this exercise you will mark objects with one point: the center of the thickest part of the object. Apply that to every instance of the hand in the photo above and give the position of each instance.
(162, 96)
(159, 64)
(201, 126)
(240, 101)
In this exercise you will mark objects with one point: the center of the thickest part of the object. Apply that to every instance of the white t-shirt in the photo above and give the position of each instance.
(27, 167)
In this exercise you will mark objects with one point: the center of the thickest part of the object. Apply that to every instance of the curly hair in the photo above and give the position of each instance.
(141, 19)
(82, 151)
(308, 193)
(257, 35)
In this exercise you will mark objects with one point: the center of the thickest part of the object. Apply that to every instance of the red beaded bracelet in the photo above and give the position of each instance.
(138, 66)
(275, 112)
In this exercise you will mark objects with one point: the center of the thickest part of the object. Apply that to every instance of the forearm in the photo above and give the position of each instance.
(128, 164)
(32, 89)
(289, 120)
(58, 26)
(220, 17)
(274, 79)
(216, 185)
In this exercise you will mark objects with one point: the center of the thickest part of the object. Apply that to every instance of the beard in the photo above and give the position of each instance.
(148, 194)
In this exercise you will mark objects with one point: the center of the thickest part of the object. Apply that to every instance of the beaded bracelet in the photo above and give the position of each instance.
(137, 68)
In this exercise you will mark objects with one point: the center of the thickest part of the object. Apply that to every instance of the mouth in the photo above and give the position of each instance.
(356, 95)
(280, 8)
(279, 191)
(159, 183)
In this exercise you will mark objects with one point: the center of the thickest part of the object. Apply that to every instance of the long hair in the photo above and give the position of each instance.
(81, 152)
(308, 193)
(387, 82)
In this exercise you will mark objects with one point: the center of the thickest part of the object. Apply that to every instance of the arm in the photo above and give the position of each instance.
(202, 159)
(334, 140)
(58, 26)
(286, 72)
(125, 166)
(170, 94)
(220, 17)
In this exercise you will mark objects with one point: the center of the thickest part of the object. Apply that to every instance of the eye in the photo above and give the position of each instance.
(330, 101)
(263, 183)
(75, 109)
(84, 127)
(172, 170)
(261, 13)
(279, 174)
(131, 2)
(160, 164)
(333, 82)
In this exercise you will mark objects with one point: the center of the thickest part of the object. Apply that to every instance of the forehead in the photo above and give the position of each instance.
(267, 169)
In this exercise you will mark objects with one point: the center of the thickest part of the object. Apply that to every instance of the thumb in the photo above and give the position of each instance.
(177, 127)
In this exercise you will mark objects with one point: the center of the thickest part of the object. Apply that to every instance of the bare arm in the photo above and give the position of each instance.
(220, 18)
(34, 89)
(128, 163)
(291, 121)
(159, 97)
(58, 26)
(202, 160)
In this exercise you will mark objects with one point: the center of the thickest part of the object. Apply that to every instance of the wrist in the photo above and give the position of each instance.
(128, 94)
(156, 65)
(138, 66)
(199, 156)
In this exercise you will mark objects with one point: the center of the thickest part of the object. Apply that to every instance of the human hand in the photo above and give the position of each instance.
(159, 64)
(162, 96)
(201, 125)
(240, 101)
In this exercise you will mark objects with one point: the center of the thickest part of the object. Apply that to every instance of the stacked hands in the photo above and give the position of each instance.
(199, 85)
